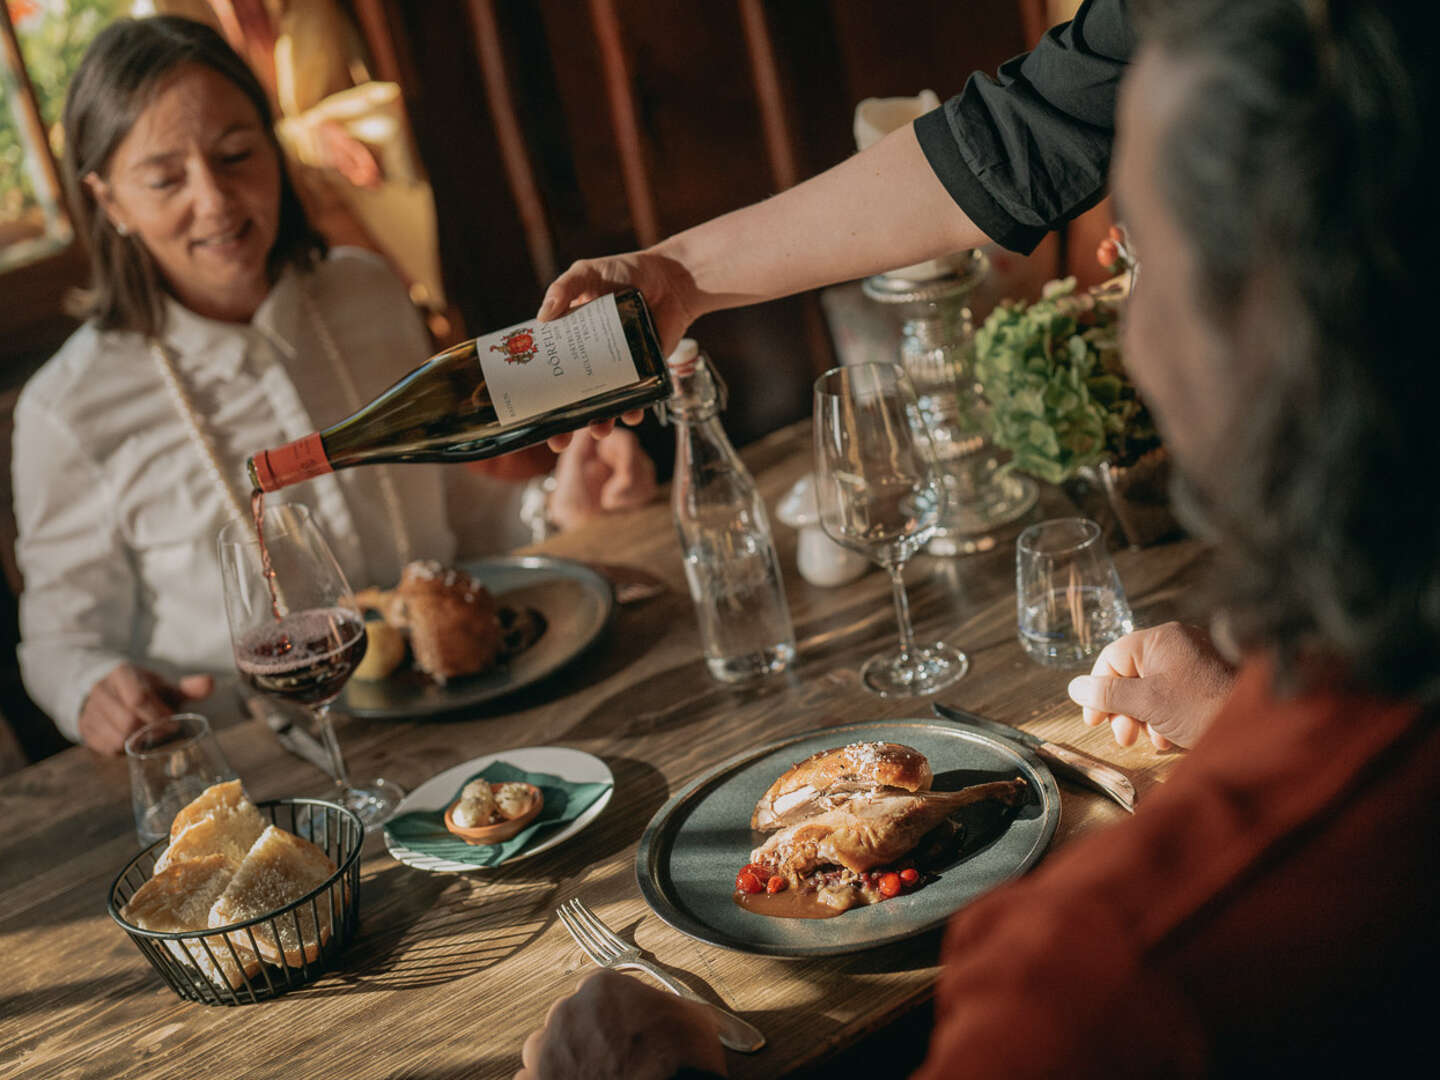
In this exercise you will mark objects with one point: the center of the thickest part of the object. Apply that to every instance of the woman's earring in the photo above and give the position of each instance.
(121, 229)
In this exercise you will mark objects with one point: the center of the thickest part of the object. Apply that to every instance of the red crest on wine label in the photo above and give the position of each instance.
(518, 346)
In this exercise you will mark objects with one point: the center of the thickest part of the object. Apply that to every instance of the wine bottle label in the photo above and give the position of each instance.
(533, 367)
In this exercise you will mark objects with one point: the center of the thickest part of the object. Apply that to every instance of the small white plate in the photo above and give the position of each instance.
(435, 794)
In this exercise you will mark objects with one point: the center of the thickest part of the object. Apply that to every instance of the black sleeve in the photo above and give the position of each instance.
(1029, 149)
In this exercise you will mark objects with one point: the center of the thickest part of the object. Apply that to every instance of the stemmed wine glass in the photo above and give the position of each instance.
(294, 636)
(881, 493)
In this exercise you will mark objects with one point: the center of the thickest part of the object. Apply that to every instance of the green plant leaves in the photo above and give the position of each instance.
(1059, 398)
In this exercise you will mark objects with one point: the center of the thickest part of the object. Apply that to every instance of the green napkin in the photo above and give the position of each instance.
(424, 830)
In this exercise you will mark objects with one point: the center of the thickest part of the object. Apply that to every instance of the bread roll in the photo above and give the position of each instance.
(873, 764)
(279, 868)
(228, 832)
(178, 899)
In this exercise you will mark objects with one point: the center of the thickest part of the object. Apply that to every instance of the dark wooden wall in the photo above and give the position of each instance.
(556, 129)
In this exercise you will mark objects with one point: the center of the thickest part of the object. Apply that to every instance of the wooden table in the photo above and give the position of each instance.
(449, 973)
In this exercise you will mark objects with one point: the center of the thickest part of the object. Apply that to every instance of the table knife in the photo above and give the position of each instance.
(289, 734)
(1092, 772)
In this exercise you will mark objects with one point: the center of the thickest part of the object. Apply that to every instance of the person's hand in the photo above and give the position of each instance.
(1168, 681)
(667, 286)
(348, 156)
(131, 697)
(615, 1026)
(596, 476)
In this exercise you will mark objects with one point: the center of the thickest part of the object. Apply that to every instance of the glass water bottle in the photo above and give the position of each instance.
(730, 558)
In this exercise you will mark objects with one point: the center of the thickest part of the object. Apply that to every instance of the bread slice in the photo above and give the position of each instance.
(279, 868)
(225, 831)
(225, 797)
(178, 899)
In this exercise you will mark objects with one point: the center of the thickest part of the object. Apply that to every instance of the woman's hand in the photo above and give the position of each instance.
(667, 286)
(131, 697)
(614, 1026)
(595, 476)
(1167, 680)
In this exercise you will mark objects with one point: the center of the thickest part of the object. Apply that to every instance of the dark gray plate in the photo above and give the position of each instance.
(575, 601)
(697, 842)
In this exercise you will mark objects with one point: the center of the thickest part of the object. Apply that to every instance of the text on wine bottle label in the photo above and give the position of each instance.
(533, 367)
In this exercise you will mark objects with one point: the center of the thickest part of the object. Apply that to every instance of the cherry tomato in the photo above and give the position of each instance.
(909, 875)
(890, 884)
(776, 884)
(747, 882)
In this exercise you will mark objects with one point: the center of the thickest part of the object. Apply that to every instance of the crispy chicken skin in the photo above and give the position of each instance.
(451, 619)
(800, 791)
(872, 829)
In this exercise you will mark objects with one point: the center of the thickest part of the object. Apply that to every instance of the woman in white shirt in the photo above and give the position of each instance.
(218, 325)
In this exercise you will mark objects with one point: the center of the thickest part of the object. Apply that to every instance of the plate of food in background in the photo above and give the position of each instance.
(448, 637)
(846, 838)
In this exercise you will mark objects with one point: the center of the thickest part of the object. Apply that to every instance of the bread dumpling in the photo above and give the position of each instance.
(799, 791)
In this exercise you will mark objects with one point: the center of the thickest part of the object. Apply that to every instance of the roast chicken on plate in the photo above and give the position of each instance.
(843, 822)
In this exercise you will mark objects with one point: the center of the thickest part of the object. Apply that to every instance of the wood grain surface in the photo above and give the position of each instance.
(449, 973)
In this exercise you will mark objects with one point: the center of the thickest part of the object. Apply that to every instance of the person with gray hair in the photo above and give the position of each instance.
(1272, 906)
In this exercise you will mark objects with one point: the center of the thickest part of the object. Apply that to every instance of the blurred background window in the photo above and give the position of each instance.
(41, 43)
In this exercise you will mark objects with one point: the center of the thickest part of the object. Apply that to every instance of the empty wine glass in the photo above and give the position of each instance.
(293, 633)
(881, 493)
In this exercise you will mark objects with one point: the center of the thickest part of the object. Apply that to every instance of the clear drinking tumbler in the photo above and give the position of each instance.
(1070, 603)
(171, 762)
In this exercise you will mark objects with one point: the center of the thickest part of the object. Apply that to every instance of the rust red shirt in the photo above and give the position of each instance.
(1272, 906)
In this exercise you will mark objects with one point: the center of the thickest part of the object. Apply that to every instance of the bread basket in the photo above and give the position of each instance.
(206, 966)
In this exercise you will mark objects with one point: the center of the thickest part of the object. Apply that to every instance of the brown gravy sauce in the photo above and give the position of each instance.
(941, 845)
(790, 904)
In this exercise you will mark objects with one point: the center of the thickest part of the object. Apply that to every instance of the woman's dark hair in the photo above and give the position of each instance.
(1302, 169)
(121, 72)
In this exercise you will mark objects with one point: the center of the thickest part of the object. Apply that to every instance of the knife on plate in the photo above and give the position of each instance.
(1092, 772)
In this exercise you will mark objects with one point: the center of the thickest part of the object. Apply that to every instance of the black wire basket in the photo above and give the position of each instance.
(223, 965)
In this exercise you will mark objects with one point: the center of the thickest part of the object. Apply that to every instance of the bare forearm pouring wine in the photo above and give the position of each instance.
(880, 209)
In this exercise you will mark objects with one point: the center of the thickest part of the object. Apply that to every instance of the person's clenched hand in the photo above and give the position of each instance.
(129, 698)
(595, 476)
(1168, 681)
(616, 1027)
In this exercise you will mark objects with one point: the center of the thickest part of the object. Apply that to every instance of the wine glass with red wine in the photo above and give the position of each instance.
(295, 635)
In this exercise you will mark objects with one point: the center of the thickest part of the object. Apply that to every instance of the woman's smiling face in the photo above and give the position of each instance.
(197, 181)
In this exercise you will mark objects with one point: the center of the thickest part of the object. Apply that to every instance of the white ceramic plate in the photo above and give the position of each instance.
(575, 766)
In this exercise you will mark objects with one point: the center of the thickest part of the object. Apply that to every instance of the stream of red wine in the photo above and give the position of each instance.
(257, 511)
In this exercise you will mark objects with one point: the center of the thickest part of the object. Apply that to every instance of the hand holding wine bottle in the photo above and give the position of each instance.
(494, 394)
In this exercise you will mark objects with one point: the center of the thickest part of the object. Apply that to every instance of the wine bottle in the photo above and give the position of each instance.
(493, 394)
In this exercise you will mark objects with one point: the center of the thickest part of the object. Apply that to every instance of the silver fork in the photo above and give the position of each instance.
(609, 950)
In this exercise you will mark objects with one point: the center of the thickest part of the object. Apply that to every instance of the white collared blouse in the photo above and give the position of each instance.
(118, 514)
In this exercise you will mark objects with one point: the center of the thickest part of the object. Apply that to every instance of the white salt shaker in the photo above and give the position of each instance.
(821, 561)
